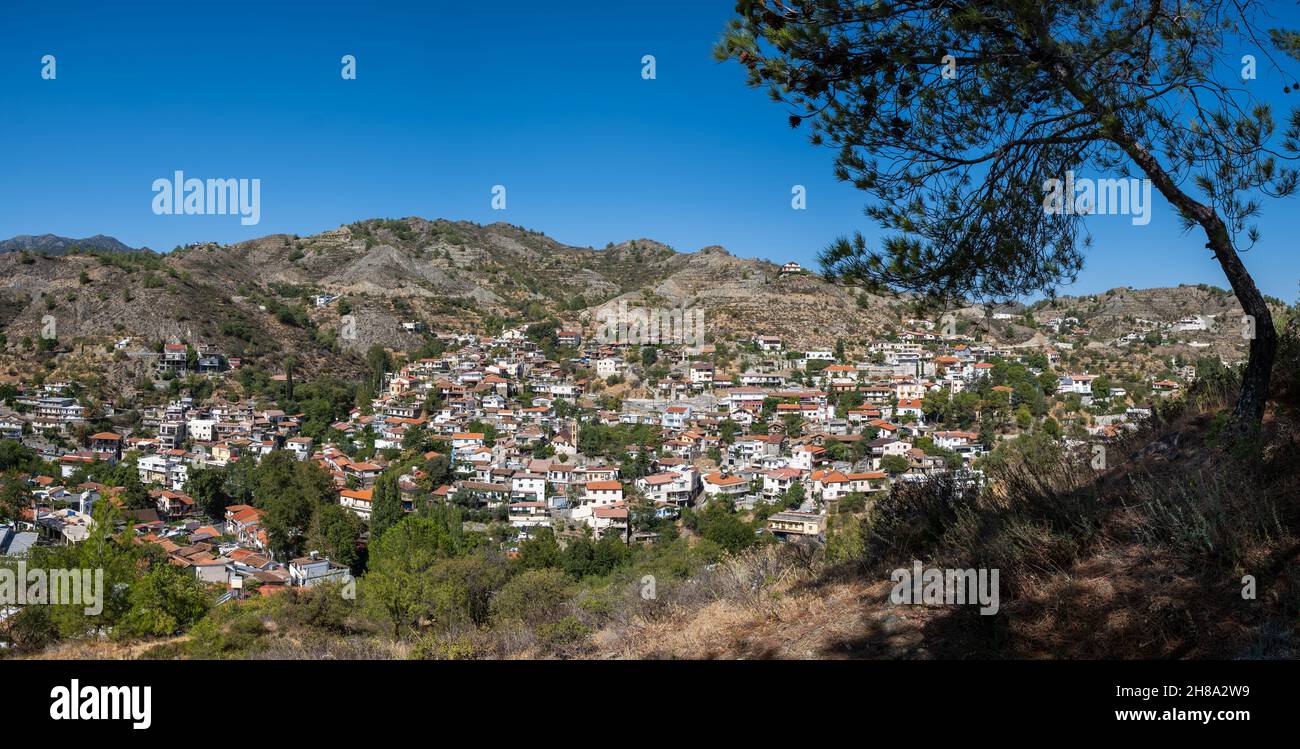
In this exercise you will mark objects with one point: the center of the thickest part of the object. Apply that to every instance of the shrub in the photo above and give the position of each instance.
(563, 635)
(533, 597)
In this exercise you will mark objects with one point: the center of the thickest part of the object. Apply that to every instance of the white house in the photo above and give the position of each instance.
(676, 417)
(530, 487)
(201, 430)
(954, 440)
(1075, 383)
(884, 447)
(602, 493)
(314, 569)
(162, 470)
(780, 480)
(466, 441)
(669, 487)
(911, 407)
(701, 373)
(604, 519)
(529, 514)
(301, 447)
(744, 398)
(608, 366)
(722, 485)
(358, 501)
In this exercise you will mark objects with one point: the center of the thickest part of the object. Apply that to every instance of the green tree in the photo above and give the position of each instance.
(845, 540)
(386, 504)
(166, 601)
(14, 498)
(379, 362)
(535, 596)
(289, 492)
(16, 455)
(940, 111)
(1101, 386)
(208, 488)
(103, 549)
(134, 495)
(541, 551)
(718, 522)
(794, 496)
(400, 583)
(463, 588)
(894, 464)
(334, 532)
(437, 472)
(290, 366)
(416, 440)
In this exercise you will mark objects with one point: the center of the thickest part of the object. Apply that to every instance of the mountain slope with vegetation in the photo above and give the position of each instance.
(256, 299)
(457, 276)
(109, 311)
(51, 244)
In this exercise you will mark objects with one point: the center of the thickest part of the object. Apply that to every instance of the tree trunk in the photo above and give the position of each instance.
(1258, 326)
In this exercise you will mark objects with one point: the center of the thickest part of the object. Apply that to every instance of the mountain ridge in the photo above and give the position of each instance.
(257, 298)
(54, 244)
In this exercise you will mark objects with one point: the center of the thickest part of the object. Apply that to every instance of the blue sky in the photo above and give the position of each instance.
(451, 99)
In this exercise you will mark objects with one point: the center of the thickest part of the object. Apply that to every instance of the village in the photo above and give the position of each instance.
(525, 442)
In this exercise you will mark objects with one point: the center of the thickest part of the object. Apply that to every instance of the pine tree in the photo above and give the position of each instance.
(385, 505)
(963, 120)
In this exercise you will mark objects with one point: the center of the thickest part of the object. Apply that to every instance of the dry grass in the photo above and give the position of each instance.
(100, 650)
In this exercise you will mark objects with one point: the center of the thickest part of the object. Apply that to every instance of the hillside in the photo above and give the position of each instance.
(1114, 313)
(50, 244)
(452, 276)
(1147, 559)
(256, 298)
(1184, 548)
